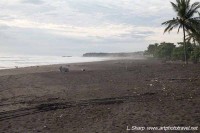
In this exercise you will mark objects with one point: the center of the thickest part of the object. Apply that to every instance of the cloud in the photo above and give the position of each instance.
(101, 31)
(36, 2)
(83, 25)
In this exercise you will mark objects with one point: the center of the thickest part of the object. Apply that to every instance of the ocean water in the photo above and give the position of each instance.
(9, 62)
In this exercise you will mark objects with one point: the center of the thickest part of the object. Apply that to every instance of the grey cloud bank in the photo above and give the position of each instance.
(37, 2)
(73, 27)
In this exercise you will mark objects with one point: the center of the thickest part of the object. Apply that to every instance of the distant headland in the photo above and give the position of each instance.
(139, 53)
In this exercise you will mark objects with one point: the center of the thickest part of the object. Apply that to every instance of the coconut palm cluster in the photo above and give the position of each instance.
(188, 19)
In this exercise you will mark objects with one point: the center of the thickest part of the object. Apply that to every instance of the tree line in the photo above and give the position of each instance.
(169, 51)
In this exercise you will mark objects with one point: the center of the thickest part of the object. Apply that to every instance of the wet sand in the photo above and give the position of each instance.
(106, 98)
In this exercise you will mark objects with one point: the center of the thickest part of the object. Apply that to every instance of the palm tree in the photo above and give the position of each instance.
(195, 34)
(185, 19)
(195, 37)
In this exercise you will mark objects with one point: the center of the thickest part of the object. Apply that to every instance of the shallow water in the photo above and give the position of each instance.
(8, 62)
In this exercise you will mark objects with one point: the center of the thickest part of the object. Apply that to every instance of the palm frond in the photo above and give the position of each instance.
(175, 7)
(194, 9)
(179, 28)
(187, 4)
(185, 18)
(171, 24)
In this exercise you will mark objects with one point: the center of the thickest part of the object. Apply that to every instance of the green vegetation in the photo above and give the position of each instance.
(195, 55)
(187, 20)
(169, 51)
(113, 54)
(164, 50)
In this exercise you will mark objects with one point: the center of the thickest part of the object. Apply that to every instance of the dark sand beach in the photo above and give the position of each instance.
(106, 98)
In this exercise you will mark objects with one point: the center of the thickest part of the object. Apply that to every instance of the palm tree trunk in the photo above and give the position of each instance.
(195, 42)
(184, 41)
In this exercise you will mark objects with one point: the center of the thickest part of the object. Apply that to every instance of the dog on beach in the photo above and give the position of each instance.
(63, 69)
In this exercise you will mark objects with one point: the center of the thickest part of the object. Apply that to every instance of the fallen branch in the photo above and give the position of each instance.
(191, 79)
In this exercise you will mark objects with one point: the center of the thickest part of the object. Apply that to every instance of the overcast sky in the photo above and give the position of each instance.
(73, 27)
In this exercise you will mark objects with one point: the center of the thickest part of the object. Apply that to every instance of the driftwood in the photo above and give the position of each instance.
(174, 79)
(191, 79)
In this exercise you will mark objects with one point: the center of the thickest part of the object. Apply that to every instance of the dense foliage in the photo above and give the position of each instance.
(169, 51)
(188, 19)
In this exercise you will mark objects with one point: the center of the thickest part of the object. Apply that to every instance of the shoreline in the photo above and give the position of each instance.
(38, 65)
(41, 68)
(55, 67)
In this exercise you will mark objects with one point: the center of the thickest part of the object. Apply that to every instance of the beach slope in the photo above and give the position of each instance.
(110, 96)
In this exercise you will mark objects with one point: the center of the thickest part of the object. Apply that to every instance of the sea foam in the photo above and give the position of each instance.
(8, 62)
